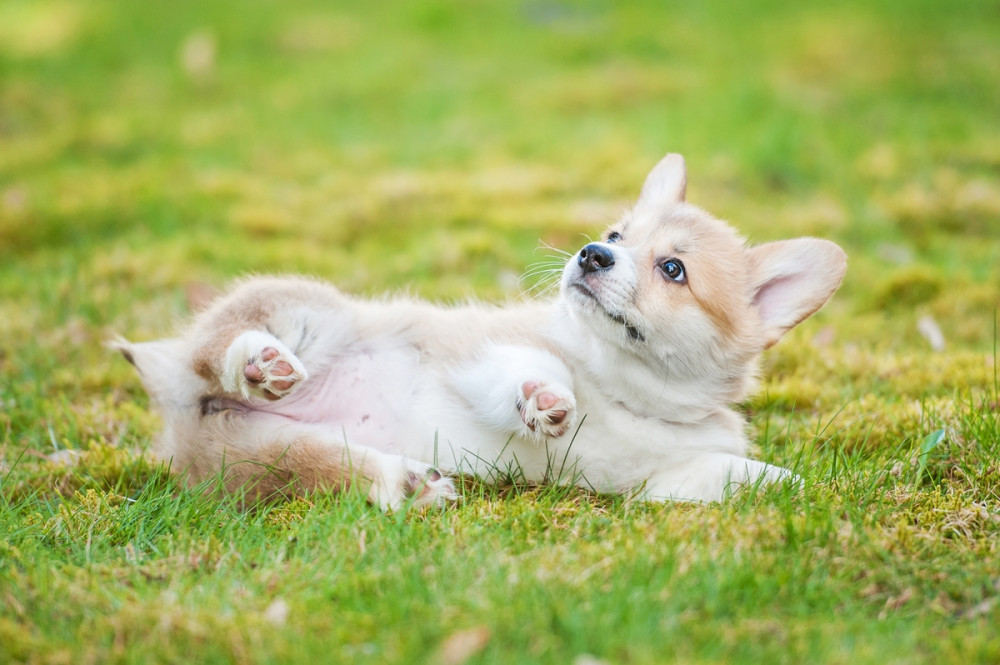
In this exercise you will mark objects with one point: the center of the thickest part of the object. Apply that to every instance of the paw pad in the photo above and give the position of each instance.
(257, 363)
(546, 410)
(275, 376)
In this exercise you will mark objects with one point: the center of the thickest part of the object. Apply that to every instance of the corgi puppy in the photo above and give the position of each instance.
(621, 383)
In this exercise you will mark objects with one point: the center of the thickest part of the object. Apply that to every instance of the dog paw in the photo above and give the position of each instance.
(547, 410)
(258, 363)
(428, 487)
(416, 485)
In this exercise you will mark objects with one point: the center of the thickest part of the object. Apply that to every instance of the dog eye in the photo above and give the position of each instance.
(614, 236)
(674, 270)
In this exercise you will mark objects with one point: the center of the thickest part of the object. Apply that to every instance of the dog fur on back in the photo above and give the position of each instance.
(621, 383)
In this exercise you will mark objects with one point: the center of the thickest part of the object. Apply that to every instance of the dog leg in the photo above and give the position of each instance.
(260, 338)
(519, 390)
(265, 456)
(712, 476)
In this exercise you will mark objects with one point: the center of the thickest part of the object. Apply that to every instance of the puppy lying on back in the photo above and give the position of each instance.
(622, 382)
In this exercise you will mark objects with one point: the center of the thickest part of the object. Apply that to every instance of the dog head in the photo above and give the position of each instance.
(682, 290)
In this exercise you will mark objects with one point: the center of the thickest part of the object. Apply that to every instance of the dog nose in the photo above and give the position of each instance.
(594, 257)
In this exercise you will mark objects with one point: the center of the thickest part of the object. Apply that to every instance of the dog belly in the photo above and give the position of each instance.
(367, 396)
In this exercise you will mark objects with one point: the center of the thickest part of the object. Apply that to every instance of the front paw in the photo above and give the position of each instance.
(547, 410)
(258, 363)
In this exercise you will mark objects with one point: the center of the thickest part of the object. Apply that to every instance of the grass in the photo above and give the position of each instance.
(150, 153)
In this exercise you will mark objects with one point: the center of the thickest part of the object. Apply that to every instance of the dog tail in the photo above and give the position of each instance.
(165, 374)
(175, 389)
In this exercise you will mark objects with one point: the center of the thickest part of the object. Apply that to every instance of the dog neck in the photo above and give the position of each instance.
(670, 385)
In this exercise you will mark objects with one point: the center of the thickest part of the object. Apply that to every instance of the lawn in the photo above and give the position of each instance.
(152, 152)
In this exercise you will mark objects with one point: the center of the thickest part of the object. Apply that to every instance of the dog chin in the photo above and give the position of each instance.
(582, 296)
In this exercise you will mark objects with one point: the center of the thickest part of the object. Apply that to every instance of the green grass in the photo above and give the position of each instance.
(432, 147)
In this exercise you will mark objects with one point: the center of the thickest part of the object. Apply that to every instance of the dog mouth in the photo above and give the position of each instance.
(632, 330)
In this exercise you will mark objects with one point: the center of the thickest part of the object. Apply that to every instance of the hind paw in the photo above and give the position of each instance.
(428, 487)
(258, 363)
(413, 484)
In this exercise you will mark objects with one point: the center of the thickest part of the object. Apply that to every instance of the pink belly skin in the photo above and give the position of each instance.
(368, 397)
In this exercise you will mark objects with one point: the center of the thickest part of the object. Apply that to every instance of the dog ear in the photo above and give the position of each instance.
(791, 280)
(666, 183)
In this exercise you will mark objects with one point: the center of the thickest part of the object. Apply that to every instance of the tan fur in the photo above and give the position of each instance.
(715, 256)
(286, 384)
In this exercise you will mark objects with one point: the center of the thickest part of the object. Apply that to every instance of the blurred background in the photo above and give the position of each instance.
(150, 152)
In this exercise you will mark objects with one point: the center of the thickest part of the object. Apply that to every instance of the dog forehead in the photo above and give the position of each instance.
(683, 228)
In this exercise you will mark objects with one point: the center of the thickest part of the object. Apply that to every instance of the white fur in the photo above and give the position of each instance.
(620, 384)
(498, 378)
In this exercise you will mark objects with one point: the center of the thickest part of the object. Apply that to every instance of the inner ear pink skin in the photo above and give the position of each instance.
(794, 279)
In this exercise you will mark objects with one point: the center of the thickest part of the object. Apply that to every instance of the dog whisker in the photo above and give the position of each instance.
(548, 283)
(544, 273)
(541, 271)
(547, 246)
